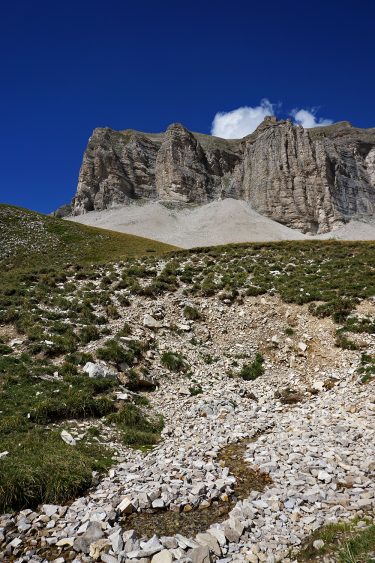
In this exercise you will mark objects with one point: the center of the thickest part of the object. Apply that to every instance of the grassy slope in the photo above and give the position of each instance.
(31, 239)
(40, 466)
(329, 275)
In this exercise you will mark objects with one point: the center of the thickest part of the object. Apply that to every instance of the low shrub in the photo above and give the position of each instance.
(88, 333)
(339, 309)
(115, 352)
(125, 331)
(249, 372)
(191, 313)
(367, 368)
(173, 361)
(112, 312)
(79, 358)
(195, 390)
(342, 341)
(4, 349)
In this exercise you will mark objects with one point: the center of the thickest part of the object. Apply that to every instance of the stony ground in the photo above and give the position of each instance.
(311, 418)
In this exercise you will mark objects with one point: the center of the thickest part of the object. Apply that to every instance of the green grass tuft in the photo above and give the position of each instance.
(137, 429)
(173, 361)
(252, 371)
(343, 542)
(41, 468)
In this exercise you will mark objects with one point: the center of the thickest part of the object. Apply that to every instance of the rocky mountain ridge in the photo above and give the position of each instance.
(313, 180)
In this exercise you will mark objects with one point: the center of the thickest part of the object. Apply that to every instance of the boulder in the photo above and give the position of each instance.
(200, 554)
(163, 556)
(150, 322)
(68, 438)
(93, 533)
(99, 371)
(125, 506)
(210, 541)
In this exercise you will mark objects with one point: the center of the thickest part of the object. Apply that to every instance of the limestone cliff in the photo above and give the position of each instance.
(310, 179)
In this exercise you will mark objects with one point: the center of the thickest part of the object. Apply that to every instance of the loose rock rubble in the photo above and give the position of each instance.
(318, 449)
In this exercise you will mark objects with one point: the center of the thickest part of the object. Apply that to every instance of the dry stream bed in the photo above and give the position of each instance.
(195, 520)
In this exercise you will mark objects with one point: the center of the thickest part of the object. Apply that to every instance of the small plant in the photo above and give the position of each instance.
(289, 331)
(196, 390)
(137, 382)
(79, 358)
(4, 349)
(173, 361)
(367, 368)
(41, 468)
(191, 313)
(338, 308)
(208, 359)
(93, 432)
(123, 300)
(114, 352)
(345, 343)
(125, 331)
(141, 400)
(208, 286)
(88, 333)
(249, 372)
(137, 429)
(342, 541)
(359, 325)
(68, 369)
(112, 312)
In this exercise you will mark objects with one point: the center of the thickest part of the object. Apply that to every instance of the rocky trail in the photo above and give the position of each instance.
(304, 429)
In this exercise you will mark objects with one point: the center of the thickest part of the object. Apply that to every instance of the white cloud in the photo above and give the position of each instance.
(241, 121)
(308, 119)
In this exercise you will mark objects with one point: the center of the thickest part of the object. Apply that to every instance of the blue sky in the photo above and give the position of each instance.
(68, 67)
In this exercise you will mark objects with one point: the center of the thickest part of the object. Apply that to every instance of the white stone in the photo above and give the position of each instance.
(219, 535)
(99, 371)
(210, 541)
(50, 509)
(68, 438)
(150, 322)
(324, 476)
(125, 506)
(163, 556)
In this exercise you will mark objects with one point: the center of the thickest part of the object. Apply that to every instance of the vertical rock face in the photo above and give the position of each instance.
(312, 180)
(311, 185)
(117, 168)
(370, 165)
(182, 172)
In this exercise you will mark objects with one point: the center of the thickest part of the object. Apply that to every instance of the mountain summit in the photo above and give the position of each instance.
(313, 180)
